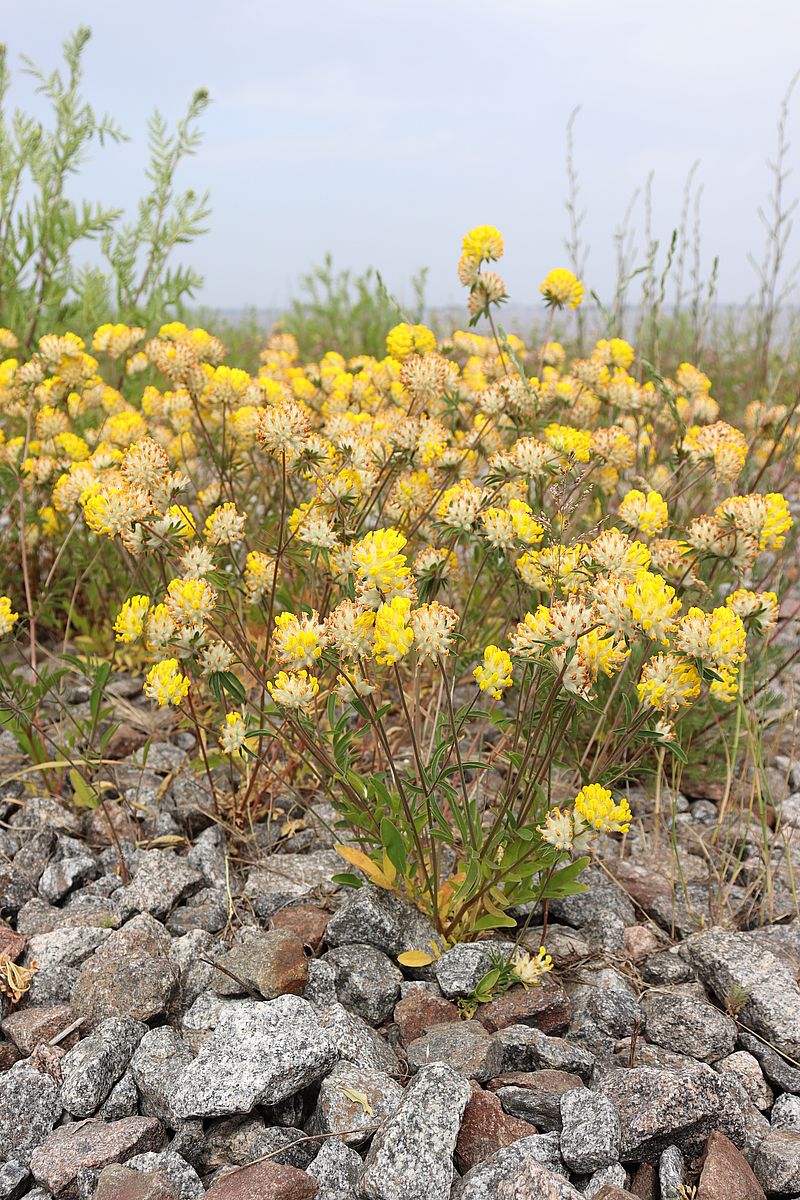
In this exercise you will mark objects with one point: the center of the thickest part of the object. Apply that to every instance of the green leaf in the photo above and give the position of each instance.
(347, 880)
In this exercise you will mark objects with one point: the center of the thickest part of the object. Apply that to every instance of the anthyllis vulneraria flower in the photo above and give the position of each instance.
(8, 618)
(293, 689)
(129, 623)
(561, 289)
(233, 733)
(165, 683)
(647, 513)
(495, 673)
(529, 968)
(595, 809)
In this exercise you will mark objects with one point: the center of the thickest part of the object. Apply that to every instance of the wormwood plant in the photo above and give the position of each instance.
(45, 282)
(467, 590)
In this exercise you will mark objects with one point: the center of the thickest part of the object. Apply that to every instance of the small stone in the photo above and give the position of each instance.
(736, 968)
(13, 1177)
(528, 1169)
(11, 943)
(379, 918)
(109, 822)
(272, 963)
(91, 1068)
(546, 1007)
(29, 1108)
(666, 968)
(644, 1185)
(525, 1049)
(457, 971)
(260, 1053)
(671, 1174)
(286, 877)
(29, 1026)
(130, 977)
(355, 1040)
(181, 1175)
(786, 1112)
(161, 881)
(467, 1047)
(122, 1100)
(412, 1154)
(485, 1129)
(613, 1176)
(90, 1144)
(121, 1183)
(590, 1134)
(264, 1180)
(605, 1008)
(208, 855)
(61, 877)
(355, 1119)
(366, 980)
(776, 1069)
(535, 1096)
(745, 1068)
(337, 1169)
(321, 986)
(687, 1025)
(157, 1065)
(726, 1173)
(777, 1162)
(640, 942)
(419, 1009)
(306, 921)
(660, 1107)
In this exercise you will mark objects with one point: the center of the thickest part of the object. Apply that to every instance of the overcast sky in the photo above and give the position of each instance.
(382, 131)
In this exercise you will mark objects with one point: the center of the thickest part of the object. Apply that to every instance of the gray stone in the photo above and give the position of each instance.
(522, 1048)
(122, 1100)
(321, 985)
(366, 980)
(60, 877)
(336, 1169)
(381, 919)
(601, 896)
(671, 1174)
(667, 967)
(658, 1107)
(528, 1164)
(158, 1064)
(536, 1096)
(29, 1108)
(457, 971)
(352, 1102)
(271, 963)
(207, 856)
(605, 1008)
(412, 1154)
(465, 1045)
(63, 948)
(746, 1069)
(776, 1069)
(355, 1040)
(777, 1162)
(590, 1133)
(160, 881)
(91, 1068)
(687, 1025)
(786, 1112)
(162, 757)
(13, 1176)
(129, 976)
(766, 995)
(284, 877)
(612, 1176)
(184, 1178)
(260, 1053)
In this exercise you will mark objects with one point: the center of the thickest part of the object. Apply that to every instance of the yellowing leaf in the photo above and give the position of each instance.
(357, 858)
(414, 958)
(359, 1098)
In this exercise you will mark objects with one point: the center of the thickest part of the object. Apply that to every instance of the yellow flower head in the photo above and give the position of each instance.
(379, 561)
(495, 672)
(394, 635)
(645, 513)
(484, 243)
(561, 289)
(595, 807)
(129, 623)
(165, 684)
(409, 339)
(8, 618)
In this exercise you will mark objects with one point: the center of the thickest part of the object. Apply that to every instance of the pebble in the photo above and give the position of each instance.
(262, 1180)
(485, 1129)
(91, 1068)
(366, 980)
(687, 1025)
(460, 969)
(157, 1065)
(467, 1047)
(90, 1144)
(530, 1165)
(746, 1069)
(777, 1162)
(725, 1173)
(353, 1101)
(786, 1112)
(260, 1053)
(30, 1105)
(590, 1133)
(381, 919)
(412, 1154)
(270, 963)
(337, 1169)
